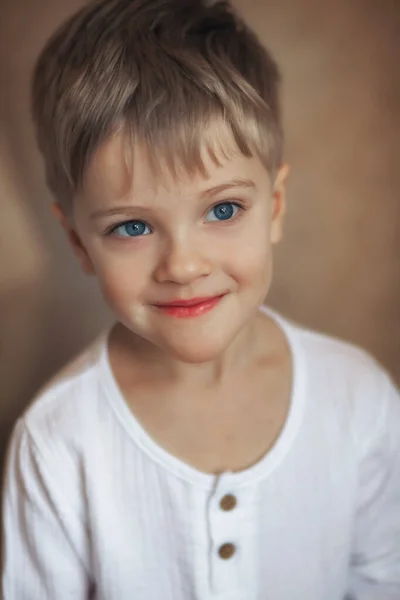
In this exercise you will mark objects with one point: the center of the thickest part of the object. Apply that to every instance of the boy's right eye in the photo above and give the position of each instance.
(130, 229)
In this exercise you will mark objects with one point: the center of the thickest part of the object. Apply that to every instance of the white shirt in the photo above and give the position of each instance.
(94, 508)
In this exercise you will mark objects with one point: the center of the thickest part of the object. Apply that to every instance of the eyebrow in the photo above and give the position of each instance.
(240, 183)
(127, 209)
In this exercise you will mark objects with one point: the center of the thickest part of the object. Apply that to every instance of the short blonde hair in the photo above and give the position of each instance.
(161, 70)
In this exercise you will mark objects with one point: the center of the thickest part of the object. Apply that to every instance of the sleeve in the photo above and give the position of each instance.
(44, 541)
(375, 565)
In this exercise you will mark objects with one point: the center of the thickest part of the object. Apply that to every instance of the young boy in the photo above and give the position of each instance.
(204, 448)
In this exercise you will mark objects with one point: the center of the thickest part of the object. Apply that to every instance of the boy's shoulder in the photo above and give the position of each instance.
(51, 440)
(343, 379)
(66, 402)
(347, 388)
(335, 364)
(331, 352)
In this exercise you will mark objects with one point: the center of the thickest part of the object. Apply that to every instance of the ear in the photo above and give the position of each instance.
(279, 203)
(74, 239)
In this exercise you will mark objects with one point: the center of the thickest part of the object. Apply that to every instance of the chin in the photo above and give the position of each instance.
(199, 349)
(196, 355)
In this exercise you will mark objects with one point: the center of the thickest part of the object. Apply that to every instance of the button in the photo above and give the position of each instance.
(228, 502)
(227, 551)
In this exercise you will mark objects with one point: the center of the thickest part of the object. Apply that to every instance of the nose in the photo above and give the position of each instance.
(182, 263)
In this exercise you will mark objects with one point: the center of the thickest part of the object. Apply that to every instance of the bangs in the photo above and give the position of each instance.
(184, 145)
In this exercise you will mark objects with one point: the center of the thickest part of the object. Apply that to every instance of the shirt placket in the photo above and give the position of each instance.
(231, 524)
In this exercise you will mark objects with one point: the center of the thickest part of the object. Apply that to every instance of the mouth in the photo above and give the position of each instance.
(194, 307)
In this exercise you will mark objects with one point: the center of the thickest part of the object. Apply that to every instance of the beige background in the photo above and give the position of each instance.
(338, 269)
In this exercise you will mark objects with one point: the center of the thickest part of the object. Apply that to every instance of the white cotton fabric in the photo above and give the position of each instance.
(94, 508)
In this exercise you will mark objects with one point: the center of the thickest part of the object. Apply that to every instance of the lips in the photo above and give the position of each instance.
(189, 308)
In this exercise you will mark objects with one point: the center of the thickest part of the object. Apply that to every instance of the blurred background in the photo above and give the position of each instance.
(338, 269)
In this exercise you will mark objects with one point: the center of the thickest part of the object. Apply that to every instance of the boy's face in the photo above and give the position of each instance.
(152, 241)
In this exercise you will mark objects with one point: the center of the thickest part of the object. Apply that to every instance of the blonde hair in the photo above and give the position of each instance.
(162, 70)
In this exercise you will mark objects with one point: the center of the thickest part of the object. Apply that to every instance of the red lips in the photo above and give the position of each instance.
(189, 308)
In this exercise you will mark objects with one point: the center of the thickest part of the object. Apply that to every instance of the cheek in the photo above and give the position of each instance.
(253, 269)
(252, 259)
(121, 276)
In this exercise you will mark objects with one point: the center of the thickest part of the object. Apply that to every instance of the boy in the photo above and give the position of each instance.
(204, 448)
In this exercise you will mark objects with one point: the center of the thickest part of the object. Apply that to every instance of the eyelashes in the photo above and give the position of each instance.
(131, 229)
(223, 212)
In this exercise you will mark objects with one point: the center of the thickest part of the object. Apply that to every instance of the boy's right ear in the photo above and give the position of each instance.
(74, 239)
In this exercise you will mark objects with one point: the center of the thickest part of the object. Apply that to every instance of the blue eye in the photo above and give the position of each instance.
(131, 229)
(222, 212)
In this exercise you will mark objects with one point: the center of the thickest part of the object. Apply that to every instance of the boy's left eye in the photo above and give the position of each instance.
(223, 212)
(131, 229)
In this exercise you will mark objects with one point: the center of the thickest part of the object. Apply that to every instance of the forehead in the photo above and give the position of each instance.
(121, 169)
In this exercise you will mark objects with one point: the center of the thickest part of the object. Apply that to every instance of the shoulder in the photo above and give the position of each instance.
(330, 357)
(330, 364)
(58, 416)
(347, 384)
(50, 440)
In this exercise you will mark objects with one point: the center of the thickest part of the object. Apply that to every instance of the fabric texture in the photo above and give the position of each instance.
(94, 508)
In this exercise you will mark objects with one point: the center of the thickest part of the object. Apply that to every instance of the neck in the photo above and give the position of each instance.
(149, 360)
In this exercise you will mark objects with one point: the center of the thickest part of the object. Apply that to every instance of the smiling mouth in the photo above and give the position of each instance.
(194, 307)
